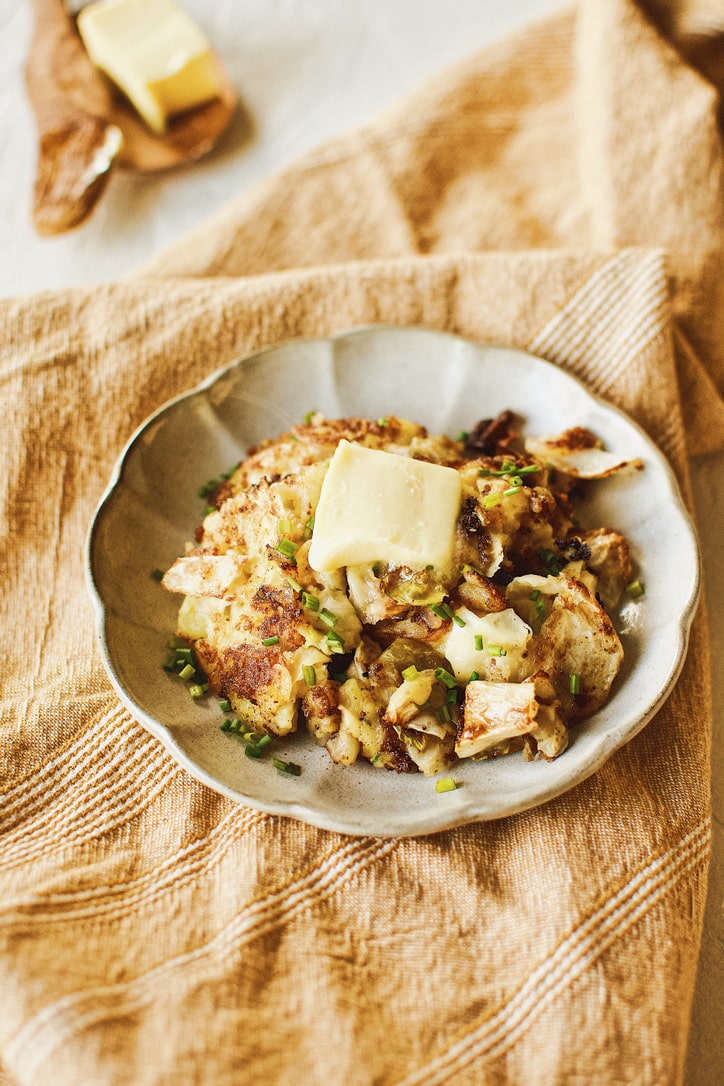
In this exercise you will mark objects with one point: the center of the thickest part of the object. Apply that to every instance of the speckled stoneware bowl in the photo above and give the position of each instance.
(151, 508)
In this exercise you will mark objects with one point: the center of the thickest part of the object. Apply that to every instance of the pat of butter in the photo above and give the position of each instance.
(154, 52)
(380, 507)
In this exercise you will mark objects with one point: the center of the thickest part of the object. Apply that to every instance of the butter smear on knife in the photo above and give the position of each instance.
(378, 506)
(154, 52)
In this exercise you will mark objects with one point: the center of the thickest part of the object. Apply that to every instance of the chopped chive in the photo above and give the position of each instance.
(446, 611)
(505, 469)
(157, 574)
(338, 677)
(376, 758)
(474, 676)
(252, 751)
(197, 690)
(169, 663)
(287, 547)
(290, 768)
(334, 637)
(445, 677)
(535, 594)
(552, 562)
(188, 671)
(410, 673)
(263, 741)
(510, 470)
(284, 527)
(443, 714)
(635, 588)
(225, 725)
(511, 490)
(383, 422)
(309, 526)
(515, 480)
(207, 488)
(310, 602)
(183, 652)
(574, 684)
(328, 617)
(478, 642)
(235, 725)
(445, 784)
(225, 705)
(293, 583)
(309, 416)
(463, 436)
(269, 641)
(451, 696)
(497, 650)
(490, 501)
(310, 674)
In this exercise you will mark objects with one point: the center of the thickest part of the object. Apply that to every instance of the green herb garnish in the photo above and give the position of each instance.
(310, 674)
(444, 676)
(290, 768)
(287, 547)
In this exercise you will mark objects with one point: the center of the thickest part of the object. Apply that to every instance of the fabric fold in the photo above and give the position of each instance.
(146, 921)
(586, 131)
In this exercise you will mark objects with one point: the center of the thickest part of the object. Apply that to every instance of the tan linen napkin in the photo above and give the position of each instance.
(588, 130)
(150, 930)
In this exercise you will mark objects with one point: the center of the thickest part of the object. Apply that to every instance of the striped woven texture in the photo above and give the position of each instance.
(153, 932)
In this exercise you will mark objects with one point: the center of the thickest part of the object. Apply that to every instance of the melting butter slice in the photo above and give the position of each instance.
(154, 52)
(380, 507)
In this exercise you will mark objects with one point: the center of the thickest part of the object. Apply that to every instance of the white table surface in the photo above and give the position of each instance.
(306, 70)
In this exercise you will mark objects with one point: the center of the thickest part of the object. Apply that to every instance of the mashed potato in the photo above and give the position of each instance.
(502, 648)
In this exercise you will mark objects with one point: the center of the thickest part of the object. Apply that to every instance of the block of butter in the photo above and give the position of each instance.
(382, 507)
(154, 52)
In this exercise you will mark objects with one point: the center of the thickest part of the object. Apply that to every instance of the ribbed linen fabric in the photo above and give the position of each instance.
(560, 192)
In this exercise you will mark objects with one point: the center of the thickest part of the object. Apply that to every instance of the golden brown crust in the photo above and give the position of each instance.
(274, 636)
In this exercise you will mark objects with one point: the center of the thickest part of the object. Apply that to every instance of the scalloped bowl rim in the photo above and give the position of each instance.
(385, 816)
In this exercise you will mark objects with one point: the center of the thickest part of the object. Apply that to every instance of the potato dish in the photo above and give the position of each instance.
(301, 616)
